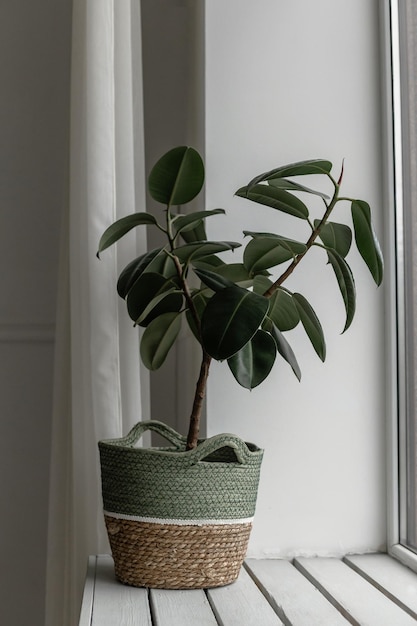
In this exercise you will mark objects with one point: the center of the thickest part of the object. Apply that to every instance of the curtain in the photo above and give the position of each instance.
(98, 392)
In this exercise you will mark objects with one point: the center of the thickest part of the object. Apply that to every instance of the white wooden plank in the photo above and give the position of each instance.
(115, 603)
(88, 594)
(352, 594)
(181, 607)
(295, 599)
(242, 604)
(390, 576)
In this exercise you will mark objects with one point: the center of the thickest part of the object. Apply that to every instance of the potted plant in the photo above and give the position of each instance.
(180, 516)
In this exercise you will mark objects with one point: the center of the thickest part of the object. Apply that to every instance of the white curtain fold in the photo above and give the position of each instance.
(97, 374)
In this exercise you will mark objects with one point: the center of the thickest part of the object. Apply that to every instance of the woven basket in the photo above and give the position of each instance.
(178, 519)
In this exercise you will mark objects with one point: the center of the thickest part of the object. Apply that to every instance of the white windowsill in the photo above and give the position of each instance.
(371, 590)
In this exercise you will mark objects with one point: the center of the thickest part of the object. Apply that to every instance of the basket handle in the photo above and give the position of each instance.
(158, 427)
(204, 449)
(224, 440)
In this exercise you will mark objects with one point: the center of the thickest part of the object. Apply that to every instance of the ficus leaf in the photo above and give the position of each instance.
(196, 233)
(185, 222)
(177, 177)
(301, 168)
(133, 270)
(231, 318)
(346, 284)
(283, 183)
(122, 226)
(336, 236)
(148, 289)
(261, 284)
(162, 264)
(263, 253)
(168, 301)
(275, 198)
(158, 339)
(366, 240)
(236, 273)
(282, 310)
(253, 363)
(201, 249)
(213, 280)
(283, 347)
(295, 247)
(311, 324)
(211, 262)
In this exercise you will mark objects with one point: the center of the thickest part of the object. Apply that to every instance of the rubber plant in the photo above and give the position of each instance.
(240, 310)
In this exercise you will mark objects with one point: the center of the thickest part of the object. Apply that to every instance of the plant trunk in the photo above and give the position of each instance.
(199, 396)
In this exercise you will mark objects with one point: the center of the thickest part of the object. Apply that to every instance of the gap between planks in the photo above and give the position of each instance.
(354, 596)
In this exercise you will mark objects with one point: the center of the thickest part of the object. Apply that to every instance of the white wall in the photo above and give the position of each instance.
(287, 81)
(34, 70)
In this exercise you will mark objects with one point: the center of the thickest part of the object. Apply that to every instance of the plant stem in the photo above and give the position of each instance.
(199, 396)
(272, 289)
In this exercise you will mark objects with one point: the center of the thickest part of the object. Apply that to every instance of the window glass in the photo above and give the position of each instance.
(405, 109)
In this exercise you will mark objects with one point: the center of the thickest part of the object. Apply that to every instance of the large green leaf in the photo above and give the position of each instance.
(291, 185)
(336, 236)
(162, 264)
(186, 222)
(168, 301)
(201, 249)
(366, 239)
(133, 270)
(122, 226)
(197, 233)
(301, 168)
(261, 284)
(346, 284)
(276, 198)
(177, 177)
(263, 253)
(211, 262)
(230, 320)
(284, 347)
(282, 310)
(311, 324)
(213, 280)
(236, 273)
(156, 289)
(253, 363)
(295, 247)
(158, 339)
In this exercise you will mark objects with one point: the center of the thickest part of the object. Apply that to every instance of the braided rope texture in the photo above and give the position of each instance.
(170, 483)
(177, 557)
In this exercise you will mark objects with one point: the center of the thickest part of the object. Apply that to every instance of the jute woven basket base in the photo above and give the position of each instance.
(169, 556)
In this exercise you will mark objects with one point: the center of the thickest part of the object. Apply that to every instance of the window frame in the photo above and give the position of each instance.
(395, 114)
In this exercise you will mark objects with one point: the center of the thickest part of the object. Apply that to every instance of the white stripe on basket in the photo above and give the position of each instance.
(180, 522)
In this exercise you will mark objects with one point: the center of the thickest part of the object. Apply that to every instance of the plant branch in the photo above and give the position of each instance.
(316, 231)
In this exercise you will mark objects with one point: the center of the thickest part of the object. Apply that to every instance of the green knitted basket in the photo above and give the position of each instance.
(177, 518)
